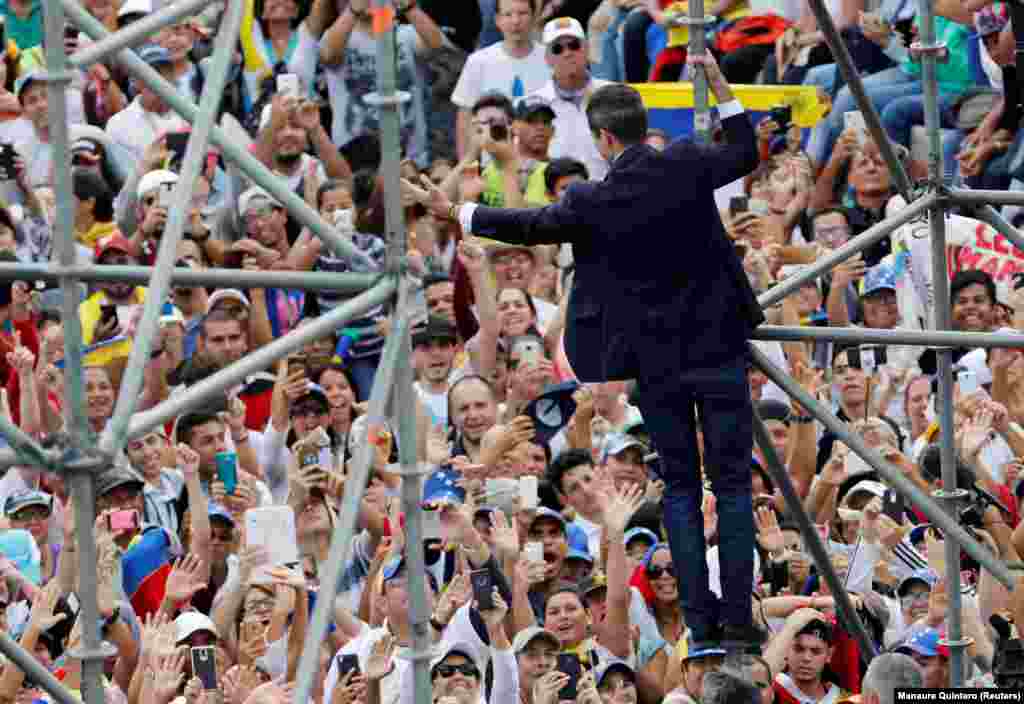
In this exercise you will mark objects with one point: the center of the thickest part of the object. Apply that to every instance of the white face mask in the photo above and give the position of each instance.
(344, 220)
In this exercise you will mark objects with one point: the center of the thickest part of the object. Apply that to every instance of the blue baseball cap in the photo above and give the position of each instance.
(615, 443)
(637, 533)
(396, 566)
(545, 512)
(709, 652)
(155, 55)
(608, 667)
(924, 576)
(23, 499)
(441, 487)
(551, 411)
(881, 277)
(925, 641)
(27, 80)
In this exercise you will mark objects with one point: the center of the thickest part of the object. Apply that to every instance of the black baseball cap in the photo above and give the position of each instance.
(528, 108)
(435, 329)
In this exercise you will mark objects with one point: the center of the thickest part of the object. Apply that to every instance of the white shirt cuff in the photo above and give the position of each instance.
(466, 211)
(729, 108)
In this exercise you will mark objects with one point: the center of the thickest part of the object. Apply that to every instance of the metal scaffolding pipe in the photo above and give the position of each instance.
(851, 76)
(697, 47)
(195, 157)
(259, 360)
(33, 669)
(813, 541)
(874, 336)
(347, 282)
(27, 450)
(248, 164)
(893, 476)
(967, 196)
(858, 244)
(344, 527)
(136, 32)
(941, 318)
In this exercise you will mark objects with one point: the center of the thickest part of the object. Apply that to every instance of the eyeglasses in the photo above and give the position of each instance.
(466, 669)
(655, 572)
(306, 411)
(33, 513)
(571, 45)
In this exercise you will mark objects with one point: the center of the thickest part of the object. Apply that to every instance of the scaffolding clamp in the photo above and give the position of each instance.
(680, 20)
(104, 651)
(396, 98)
(939, 50)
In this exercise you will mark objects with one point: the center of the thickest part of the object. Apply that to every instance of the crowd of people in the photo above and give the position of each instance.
(549, 575)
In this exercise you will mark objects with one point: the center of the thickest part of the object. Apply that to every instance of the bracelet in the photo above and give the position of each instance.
(453, 211)
(802, 420)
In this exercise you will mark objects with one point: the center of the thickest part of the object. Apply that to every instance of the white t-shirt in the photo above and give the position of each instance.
(493, 70)
(356, 75)
(135, 128)
(437, 404)
(302, 62)
(572, 129)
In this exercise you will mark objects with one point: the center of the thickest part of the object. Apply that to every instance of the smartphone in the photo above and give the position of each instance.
(778, 576)
(738, 204)
(7, 155)
(70, 32)
(177, 142)
(569, 664)
(204, 665)
(529, 350)
(534, 552)
(855, 465)
(272, 527)
(227, 470)
(296, 363)
(892, 505)
(123, 521)
(968, 382)
(528, 492)
(854, 120)
(875, 353)
(483, 586)
(347, 664)
(288, 85)
(499, 133)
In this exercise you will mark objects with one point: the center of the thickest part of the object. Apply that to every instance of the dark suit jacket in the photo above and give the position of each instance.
(658, 285)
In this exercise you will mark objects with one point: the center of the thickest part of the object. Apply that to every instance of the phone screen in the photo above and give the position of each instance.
(482, 589)
(569, 664)
(204, 666)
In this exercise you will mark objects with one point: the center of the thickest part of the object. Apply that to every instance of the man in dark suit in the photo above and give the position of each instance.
(660, 296)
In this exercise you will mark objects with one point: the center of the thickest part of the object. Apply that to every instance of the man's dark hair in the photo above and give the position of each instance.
(970, 277)
(190, 421)
(495, 100)
(531, 3)
(218, 315)
(725, 687)
(565, 462)
(88, 183)
(560, 168)
(331, 184)
(620, 110)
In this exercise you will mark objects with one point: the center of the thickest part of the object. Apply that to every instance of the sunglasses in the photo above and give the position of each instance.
(571, 45)
(466, 669)
(656, 572)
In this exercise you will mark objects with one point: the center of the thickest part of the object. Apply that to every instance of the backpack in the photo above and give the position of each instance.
(749, 31)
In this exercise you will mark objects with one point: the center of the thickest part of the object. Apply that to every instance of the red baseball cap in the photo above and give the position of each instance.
(114, 241)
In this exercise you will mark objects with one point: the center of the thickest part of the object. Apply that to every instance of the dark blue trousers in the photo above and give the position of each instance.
(672, 405)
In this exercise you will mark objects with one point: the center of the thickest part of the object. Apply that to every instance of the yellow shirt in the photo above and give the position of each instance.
(494, 191)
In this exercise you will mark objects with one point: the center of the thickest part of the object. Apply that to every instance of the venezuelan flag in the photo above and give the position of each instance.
(144, 569)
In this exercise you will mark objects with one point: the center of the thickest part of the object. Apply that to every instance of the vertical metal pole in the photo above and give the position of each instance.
(57, 78)
(344, 528)
(195, 157)
(941, 317)
(412, 495)
(697, 46)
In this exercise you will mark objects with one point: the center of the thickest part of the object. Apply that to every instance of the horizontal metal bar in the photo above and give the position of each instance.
(925, 338)
(260, 359)
(27, 449)
(135, 33)
(858, 244)
(33, 669)
(235, 278)
(893, 476)
(968, 196)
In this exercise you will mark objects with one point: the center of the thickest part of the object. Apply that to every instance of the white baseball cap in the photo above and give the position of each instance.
(153, 180)
(562, 27)
(135, 7)
(255, 196)
(226, 293)
(190, 622)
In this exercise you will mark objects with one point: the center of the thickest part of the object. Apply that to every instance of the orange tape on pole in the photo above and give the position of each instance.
(383, 19)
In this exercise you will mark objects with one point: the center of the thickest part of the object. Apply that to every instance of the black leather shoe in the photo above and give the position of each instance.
(743, 639)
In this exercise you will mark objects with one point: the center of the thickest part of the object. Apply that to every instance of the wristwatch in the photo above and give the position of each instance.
(111, 620)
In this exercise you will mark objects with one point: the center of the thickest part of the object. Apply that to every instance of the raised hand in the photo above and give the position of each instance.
(621, 506)
(184, 580)
(439, 449)
(546, 688)
(252, 558)
(769, 536)
(168, 674)
(350, 689)
(472, 257)
(492, 617)
(187, 460)
(505, 536)
(42, 618)
(239, 682)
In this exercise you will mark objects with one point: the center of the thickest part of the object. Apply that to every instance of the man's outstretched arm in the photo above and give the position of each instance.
(552, 224)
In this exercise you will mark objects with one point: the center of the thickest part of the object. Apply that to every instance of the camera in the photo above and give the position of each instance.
(782, 115)
(499, 133)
